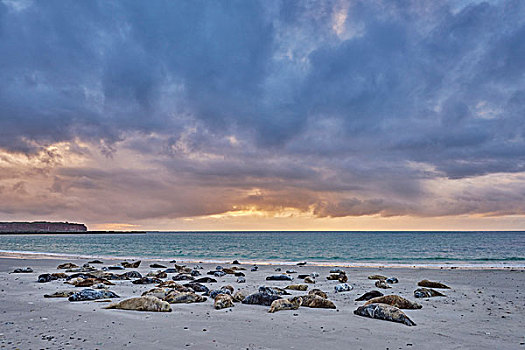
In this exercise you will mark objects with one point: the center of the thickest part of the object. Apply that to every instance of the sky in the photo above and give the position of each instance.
(263, 115)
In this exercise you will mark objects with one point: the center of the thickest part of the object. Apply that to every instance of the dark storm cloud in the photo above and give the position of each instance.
(342, 108)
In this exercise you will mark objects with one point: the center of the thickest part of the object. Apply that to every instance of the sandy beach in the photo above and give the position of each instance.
(484, 309)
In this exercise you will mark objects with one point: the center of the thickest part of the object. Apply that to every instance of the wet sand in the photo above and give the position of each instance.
(485, 309)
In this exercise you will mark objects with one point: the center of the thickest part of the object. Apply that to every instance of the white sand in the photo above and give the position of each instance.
(485, 309)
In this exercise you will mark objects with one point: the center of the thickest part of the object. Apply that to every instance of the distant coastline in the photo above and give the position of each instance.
(21, 233)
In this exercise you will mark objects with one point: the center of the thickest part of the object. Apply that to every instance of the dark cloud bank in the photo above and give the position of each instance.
(330, 107)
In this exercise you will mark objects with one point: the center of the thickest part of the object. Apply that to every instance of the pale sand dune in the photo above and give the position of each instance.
(485, 309)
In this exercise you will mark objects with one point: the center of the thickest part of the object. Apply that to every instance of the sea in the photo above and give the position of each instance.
(499, 249)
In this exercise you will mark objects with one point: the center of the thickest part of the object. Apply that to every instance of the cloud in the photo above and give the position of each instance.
(335, 108)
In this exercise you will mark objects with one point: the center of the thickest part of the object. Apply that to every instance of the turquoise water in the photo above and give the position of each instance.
(414, 248)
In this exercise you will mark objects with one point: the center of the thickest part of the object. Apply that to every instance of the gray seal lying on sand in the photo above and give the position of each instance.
(223, 301)
(281, 277)
(431, 284)
(147, 280)
(238, 296)
(382, 284)
(395, 300)
(197, 287)
(205, 280)
(370, 295)
(309, 279)
(147, 303)
(60, 294)
(157, 266)
(318, 292)
(67, 266)
(260, 299)
(21, 270)
(391, 280)
(377, 277)
(427, 293)
(91, 294)
(315, 301)
(273, 290)
(384, 312)
(132, 265)
(183, 277)
(285, 304)
(301, 287)
(176, 297)
(343, 287)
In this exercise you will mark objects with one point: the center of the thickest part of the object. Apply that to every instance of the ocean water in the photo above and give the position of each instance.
(352, 248)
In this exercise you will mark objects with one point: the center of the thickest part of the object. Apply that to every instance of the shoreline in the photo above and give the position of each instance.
(262, 262)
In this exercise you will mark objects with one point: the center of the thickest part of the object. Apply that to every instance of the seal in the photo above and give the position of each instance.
(132, 265)
(195, 273)
(370, 295)
(238, 296)
(60, 294)
(316, 302)
(176, 297)
(236, 262)
(197, 287)
(291, 271)
(88, 282)
(95, 262)
(146, 303)
(158, 274)
(281, 277)
(223, 301)
(395, 300)
(377, 277)
(46, 277)
(239, 274)
(222, 290)
(301, 287)
(114, 267)
(391, 280)
(91, 294)
(318, 292)
(343, 287)
(147, 280)
(157, 266)
(205, 280)
(260, 299)
(285, 304)
(130, 274)
(67, 266)
(254, 268)
(219, 274)
(382, 284)
(157, 292)
(301, 263)
(22, 270)
(337, 270)
(309, 279)
(273, 290)
(228, 271)
(278, 269)
(182, 269)
(431, 284)
(241, 280)
(427, 293)
(341, 277)
(384, 312)
(183, 277)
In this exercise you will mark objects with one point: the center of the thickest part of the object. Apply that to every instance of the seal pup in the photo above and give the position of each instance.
(176, 297)
(132, 265)
(223, 301)
(60, 294)
(157, 266)
(281, 277)
(238, 296)
(427, 293)
(315, 302)
(301, 287)
(23, 270)
(431, 284)
(318, 292)
(377, 277)
(343, 287)
(370, 295)
(384, 312)
(309, 279)
(91, 294)
(205, 280)
(285, 304)
(66, 266)
(382, 284)
(147, 303)
(394, 300)
(273, 290)
(261, 299)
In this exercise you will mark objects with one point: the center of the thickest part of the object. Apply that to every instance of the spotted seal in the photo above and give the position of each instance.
(301, 287)
(370, 295)
(132, 265)
(91, 294)
(176, 297)
(394, 300)
(384, 312)
(431, 284)
(285, 304)
(261, 299)
(223, 301)
(427, 293)
(343, 287)
(382, 284)
(147, 303)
